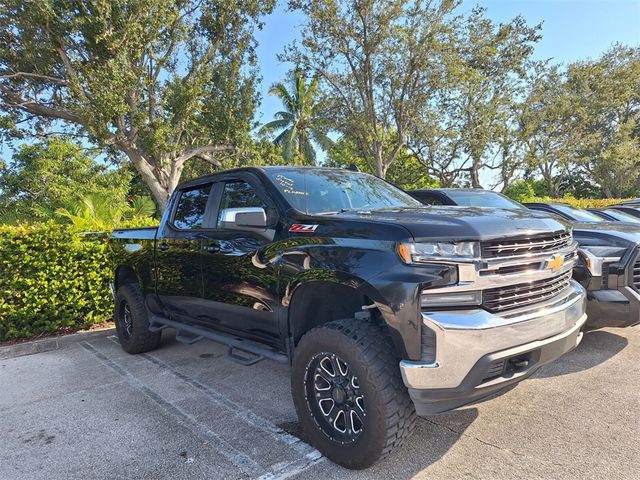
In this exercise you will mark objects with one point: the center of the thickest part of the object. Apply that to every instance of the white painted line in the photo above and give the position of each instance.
(236, 408)
(281, 471)
(242, 461)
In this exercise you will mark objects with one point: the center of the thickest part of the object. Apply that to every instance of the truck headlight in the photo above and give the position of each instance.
(424, 252)
(596, 257)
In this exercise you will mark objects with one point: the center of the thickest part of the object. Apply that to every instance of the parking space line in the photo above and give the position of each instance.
(237, 458)
(309, 455)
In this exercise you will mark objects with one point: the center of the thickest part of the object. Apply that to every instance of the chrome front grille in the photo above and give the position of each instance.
(515, 296)
(528, 246)
(636, 274)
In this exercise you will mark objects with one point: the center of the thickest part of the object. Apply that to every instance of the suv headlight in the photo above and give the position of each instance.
(596, 257)
(425, 252)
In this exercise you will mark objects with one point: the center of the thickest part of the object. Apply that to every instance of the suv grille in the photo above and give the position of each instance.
(636, 274)
(532, 245)
(516, 296)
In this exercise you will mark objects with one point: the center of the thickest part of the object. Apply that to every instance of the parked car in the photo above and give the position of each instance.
(631, 202)
(628, 209)
(383, 308)
(609, 266)
(464, 197)
(613, 215)
(569, 212)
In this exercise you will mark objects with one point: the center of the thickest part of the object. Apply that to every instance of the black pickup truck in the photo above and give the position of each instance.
(609, 253)
(383, 307)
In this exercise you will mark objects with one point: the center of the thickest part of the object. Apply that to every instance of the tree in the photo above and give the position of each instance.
(469, 124)
(604, 97)
(379, 60)
(406, 172)
(302, 120)
(162, 81)
(56, 173)
(544, 125)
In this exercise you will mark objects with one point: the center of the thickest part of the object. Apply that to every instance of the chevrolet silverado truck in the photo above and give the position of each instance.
(609, 253)
(383, 308)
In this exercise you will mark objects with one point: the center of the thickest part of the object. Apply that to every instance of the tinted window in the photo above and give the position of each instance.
(191, 207)
(579, 215)
(326, 191)
(622, 216)
(239, 194)
(427, 198)
(483, 199)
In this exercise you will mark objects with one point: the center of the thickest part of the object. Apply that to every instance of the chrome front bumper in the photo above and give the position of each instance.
(469, 342)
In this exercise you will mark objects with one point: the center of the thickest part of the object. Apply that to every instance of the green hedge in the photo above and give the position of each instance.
(51, 279)
(580, 202)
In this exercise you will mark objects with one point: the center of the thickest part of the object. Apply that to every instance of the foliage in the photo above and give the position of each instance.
(260, 152)
(161, 81)
(45, 176)
(51, 279)
(302, 121)
(605, 120)
(380, 62)
(407, 173)
(97, 213)
(522, 191)
(470, 123)
(543, 125)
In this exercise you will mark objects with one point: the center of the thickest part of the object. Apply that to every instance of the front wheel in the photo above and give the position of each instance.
(132, 321)
(349, 394)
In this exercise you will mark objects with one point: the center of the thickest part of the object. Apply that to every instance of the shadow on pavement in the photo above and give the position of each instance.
(431, 440)
(596, 348)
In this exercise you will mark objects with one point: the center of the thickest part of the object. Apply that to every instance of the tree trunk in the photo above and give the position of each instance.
(474, 173)
(160, 181)
(381, 171)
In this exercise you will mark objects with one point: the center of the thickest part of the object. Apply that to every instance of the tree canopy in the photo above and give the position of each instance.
(162, 81)
(418, 92)
(44, 177)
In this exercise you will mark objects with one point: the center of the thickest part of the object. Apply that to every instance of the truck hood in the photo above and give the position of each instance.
(617, 234)
(455, 223)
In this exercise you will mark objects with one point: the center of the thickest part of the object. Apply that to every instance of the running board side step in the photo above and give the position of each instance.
(195, 334)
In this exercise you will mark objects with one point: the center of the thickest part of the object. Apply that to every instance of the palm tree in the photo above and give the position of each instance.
(301, 121)
(96, 212)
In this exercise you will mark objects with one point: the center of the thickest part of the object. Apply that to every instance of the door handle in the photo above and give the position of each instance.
(163, 247)
(212, 248)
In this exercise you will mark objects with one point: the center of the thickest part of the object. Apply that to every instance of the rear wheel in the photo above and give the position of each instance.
(132, 321)
(349, 394)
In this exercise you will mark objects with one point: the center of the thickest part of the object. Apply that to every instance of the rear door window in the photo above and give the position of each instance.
(191, 207)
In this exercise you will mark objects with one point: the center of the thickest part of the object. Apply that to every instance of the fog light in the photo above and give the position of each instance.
(433, 299)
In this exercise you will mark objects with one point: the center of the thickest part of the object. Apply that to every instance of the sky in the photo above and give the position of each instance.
(572, 30)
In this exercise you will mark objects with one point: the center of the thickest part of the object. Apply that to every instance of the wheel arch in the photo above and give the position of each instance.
(315, 302)
(125, 274)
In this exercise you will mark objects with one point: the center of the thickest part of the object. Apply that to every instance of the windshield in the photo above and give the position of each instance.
(480, 198)
(326, 191)
(579, 215)
(622, 216)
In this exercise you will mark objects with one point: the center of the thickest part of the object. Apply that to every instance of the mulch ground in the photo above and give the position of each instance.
(59, 333)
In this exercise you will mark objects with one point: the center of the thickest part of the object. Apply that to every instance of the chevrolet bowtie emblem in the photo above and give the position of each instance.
(556, 264)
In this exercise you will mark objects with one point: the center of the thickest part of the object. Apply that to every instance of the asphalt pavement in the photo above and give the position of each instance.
(88, 410)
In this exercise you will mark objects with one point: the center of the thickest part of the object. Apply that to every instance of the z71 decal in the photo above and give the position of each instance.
(299, 228)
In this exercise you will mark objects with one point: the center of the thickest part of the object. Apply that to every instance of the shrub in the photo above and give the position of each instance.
(51, 279)
(578, 202)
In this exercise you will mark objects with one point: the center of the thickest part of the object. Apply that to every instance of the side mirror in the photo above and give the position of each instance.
(248, 217)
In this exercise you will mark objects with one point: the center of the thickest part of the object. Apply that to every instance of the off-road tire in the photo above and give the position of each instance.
(139, 339)
(389, 414)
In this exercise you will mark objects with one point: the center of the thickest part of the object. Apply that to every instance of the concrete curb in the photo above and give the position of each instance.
(48, 344)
